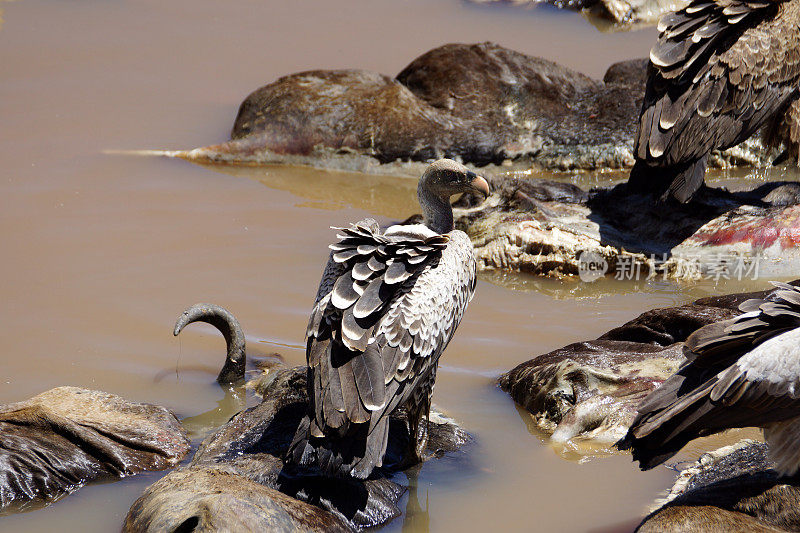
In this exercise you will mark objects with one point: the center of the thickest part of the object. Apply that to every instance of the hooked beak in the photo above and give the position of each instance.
(480, 185)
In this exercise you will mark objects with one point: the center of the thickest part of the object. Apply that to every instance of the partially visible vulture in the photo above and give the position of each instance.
(720, 71)
(387, 306)
(741, 372)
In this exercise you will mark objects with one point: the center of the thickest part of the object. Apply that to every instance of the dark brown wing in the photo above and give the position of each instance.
(366, 272)
(717, 345)
(729, 381)
(719, 71)
(738, 397)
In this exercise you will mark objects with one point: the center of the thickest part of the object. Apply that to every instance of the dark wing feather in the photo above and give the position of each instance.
(368, 371)
(354, 408)
(683, 409)
(727, 382)
(713, 345)
(375, 296)
(344, 293)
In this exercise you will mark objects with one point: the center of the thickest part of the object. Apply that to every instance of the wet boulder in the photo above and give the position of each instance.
(217, 498)
(730, 489)
(250, 448)
(588, 392)
(61, 439)
(479, 103)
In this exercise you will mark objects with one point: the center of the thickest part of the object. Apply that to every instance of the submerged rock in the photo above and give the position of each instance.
(589, 391)
(480, 104)
(730, 489)
(250, 448)
(61, 439)
(544, 227)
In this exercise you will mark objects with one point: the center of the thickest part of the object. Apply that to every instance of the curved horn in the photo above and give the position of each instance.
(226, 323)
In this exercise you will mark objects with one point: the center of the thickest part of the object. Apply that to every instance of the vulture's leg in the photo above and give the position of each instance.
(418, 417)
(418, 409)
(421, 433)
(417, 429)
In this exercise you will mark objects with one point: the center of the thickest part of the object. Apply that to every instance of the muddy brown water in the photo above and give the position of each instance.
(100, 253)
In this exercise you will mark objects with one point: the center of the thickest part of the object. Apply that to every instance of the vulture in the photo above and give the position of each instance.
(742, 372)
(387, 306)
(720, 71)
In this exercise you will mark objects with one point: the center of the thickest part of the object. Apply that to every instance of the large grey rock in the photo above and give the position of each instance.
(480, 103)
(61, 439)
(250, 447)
(730, 489)
(589, 391)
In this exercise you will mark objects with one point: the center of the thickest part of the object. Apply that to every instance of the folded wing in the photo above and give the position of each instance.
(388, 304)
(720, 70)
(741, 372)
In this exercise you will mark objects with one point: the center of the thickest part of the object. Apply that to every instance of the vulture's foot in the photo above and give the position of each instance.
(420, 442)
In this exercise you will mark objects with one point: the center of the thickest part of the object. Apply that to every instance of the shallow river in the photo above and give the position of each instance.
(100, 253)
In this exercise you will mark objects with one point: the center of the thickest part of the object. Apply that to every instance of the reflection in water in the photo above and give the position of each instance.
(416, 519)
(748, 178)
(668, 292)
(235, 400)
(578, 451)
(391, 196)
(335, 189)
(27, 506)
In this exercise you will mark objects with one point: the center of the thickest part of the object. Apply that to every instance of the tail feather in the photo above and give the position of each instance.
(300, 451)
(356, 454)
(375, 448)
(680, 181)
(668, 424)
(688, 180)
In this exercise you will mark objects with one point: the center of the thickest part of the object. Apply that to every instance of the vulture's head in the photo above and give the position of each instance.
(445, 178)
